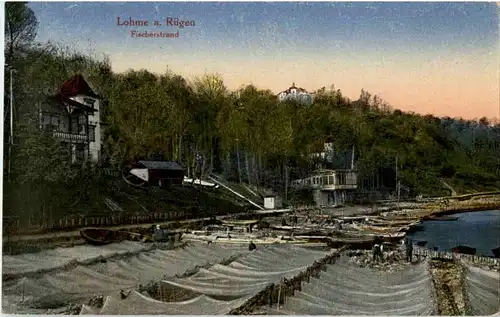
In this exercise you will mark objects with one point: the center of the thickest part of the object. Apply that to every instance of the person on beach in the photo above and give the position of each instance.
(377, 253)
(409, 249)
(377, 249)
(252, 246)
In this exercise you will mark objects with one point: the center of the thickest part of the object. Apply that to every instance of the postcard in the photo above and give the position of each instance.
(272, 158)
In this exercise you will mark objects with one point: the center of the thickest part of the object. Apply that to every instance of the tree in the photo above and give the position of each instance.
(20, 29)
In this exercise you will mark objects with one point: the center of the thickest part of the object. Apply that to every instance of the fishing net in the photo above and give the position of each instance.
(347, 290)
(139, 304)
(107, 278)
(249, 274)
(483, 290)
(59, 257)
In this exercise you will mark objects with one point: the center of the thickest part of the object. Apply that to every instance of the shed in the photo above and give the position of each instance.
(161, 173)
(273, 202)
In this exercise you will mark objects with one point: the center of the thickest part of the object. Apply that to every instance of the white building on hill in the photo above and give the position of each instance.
(296, 93)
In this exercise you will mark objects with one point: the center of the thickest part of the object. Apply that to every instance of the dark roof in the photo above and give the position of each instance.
(289, 90)
(63, 101)
(161, 165)
(76, 85)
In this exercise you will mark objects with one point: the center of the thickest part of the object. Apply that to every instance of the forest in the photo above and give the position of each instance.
(244, 134)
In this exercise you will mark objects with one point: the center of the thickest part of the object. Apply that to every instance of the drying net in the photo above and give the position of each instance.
(107, 278)
(251, 273)
(483, 291)
(139, 304)
(347, 290)
(59, 257)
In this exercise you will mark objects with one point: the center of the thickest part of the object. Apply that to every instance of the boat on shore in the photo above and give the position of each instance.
(379, 229)
(464, 250)
(285, 228)
(100, 236)
(392, 223)
(399, 218)
(394, 237)
(244, 239)
(441, 218)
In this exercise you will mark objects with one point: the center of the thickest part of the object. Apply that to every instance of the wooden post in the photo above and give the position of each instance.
(279, 295)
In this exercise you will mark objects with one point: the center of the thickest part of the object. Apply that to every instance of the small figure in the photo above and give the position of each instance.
(377, 253)
(409, 249)
(123, 295)
(377, 249)
(252, 246)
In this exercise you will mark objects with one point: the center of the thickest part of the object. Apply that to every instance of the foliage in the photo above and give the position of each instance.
(20, 29)
(245, 133)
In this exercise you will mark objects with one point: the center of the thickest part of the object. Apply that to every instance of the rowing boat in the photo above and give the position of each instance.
(98, 236)
(369, 228)
(244, 240)
(391, 223)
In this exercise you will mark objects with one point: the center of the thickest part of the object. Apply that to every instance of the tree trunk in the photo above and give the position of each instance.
(247, 168)
(255, 171)
(179, 148)
(286, 182)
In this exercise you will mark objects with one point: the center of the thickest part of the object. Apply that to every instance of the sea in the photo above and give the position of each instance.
(480, 230)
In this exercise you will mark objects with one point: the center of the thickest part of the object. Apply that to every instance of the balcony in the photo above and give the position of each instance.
(329, 180)
(70, 137)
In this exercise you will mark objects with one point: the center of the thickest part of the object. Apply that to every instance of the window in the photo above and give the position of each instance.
(50, 127)
(92, 133)
(50, 122)
(82, 124)
(80, 152)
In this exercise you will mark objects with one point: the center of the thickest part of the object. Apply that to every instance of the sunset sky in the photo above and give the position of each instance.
(439, 58)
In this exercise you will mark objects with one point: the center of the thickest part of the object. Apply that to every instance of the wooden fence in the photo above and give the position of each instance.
(276, 294)
(482, 260)
(76, 222)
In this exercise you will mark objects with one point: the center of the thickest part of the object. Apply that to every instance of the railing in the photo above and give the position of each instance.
(483, 260)
(329, 180)
(70, 136)
(109, 172)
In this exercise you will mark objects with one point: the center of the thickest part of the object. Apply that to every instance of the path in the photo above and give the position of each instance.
(448, 284)
(453, 192)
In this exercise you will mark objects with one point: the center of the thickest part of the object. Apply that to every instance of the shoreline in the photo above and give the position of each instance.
(432, 211)
(427, 211)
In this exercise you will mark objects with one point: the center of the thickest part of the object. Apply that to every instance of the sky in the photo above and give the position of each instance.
(438, 58)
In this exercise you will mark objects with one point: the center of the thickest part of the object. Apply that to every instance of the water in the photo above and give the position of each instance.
(480, 230)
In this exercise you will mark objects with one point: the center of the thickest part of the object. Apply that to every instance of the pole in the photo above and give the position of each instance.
(279, 295)
(238, 157)
(397, 180)
(11, 136)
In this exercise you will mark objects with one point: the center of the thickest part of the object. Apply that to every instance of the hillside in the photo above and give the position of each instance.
(245, 135)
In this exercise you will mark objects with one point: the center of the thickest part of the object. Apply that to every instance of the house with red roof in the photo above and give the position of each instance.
(296, 94)
(72, 115)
